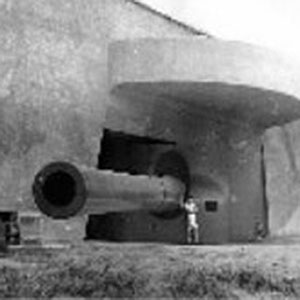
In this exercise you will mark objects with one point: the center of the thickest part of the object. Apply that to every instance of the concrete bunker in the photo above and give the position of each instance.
(205, 100)
(215, 99)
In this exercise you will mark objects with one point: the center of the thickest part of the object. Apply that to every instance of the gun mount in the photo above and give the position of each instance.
(62, 190)
(207, 99)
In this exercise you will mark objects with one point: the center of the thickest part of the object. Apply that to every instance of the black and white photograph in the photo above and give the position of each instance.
(150, 149)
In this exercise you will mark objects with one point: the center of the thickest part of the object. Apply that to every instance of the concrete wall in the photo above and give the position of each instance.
(155, 94)
(224, 158)
(53, 82)
(282, 155)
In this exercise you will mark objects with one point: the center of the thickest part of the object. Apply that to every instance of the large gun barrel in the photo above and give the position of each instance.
(62, 190)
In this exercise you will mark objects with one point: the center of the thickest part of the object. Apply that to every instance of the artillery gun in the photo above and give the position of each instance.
(62, 190)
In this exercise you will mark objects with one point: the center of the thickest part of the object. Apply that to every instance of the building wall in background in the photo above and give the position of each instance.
(53, 82)
(53, 86)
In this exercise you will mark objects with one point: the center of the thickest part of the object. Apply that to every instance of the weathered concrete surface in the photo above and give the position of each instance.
(53, 82)
(282, 152)
(223, 157)
(234, 79)
(214, 100)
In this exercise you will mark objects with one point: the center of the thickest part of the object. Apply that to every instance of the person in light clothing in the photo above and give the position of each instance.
(192, 221)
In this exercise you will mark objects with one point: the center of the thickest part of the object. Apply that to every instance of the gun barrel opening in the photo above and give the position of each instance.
(59, 188)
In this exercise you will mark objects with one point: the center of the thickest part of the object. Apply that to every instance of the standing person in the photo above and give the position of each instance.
(192, 222)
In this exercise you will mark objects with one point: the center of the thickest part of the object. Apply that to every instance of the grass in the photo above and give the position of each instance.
(138, 271)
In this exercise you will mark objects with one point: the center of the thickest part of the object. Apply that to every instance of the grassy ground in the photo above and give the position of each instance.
(152, 270)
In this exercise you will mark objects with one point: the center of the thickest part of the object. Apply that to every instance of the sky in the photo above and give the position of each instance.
(273, 24)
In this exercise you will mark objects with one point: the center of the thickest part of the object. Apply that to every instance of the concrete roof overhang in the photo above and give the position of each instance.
(232, 79)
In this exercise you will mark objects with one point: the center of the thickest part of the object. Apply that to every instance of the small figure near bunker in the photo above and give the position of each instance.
(192, 224)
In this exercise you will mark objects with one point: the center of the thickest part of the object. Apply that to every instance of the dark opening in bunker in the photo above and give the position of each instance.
(9, 229)
(59, 188)
(135, 155)
(211, 205)
(129, 153)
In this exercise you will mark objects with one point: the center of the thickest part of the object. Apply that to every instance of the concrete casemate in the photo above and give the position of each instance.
(115, 85)
(214, 99)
